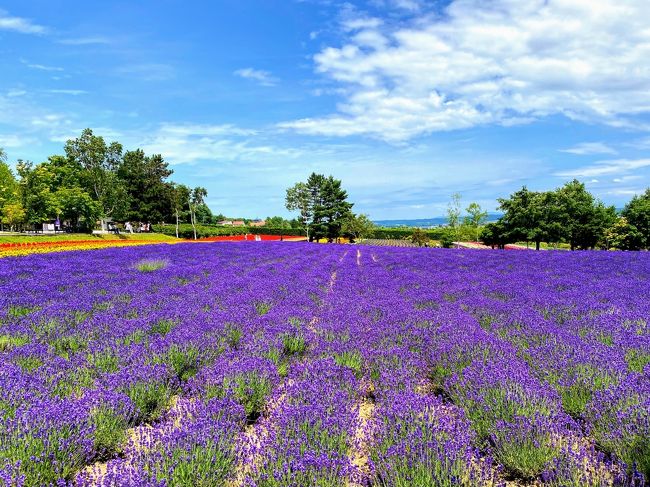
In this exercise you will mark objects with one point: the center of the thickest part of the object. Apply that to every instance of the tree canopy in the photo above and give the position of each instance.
(95, 180)
(322, 205)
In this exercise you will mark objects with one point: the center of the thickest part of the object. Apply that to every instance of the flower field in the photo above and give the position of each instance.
(291, 364)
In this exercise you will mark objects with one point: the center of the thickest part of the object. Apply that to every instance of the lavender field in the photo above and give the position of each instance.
(283, 364)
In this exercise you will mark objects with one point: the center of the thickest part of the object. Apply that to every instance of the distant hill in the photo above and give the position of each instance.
(426, 222)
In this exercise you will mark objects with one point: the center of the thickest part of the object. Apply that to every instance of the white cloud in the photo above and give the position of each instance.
(42, 67)
(15, 93)
(588, 148)
(15, 140)
(148, 71)
(602, 168)
(187, 143)
(19, 24)
(264, 78)
(494, 62)
(84, 41)
(67, 92)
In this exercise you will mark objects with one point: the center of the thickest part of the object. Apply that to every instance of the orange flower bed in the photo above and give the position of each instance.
(17, 249)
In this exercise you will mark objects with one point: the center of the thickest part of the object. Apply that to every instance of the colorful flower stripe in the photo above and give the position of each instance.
(8, 250)
(252, 238)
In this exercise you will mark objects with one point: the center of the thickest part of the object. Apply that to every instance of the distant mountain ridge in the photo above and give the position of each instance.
(426, 222)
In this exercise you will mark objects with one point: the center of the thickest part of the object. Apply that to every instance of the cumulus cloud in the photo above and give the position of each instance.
(264, 78)
(498, 62)
(19, 24)
(589, 148)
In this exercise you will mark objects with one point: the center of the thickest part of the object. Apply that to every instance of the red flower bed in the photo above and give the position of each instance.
(251, 238)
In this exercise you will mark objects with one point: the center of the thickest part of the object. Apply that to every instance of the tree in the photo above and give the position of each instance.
(323, 206)
(476, 217)
(622, 235)
(277, 222)
(357, 226)
(419, 237)
(496, 234)
(8, 187)
(144, 179)
(298, 198)
(523, 217)
(14, 214)
(637, 214)
(100, 163)
(333, 209)
(180, 197)
(453, 214)
(196, 198)
(582, 218)
(36, 195)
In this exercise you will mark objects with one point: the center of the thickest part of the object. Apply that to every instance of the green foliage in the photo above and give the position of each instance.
(67, 345)
(523, 454)
(419, 237)
(622, 235)
(151, 265)
(150, 398)
(568, 214)
(357, 226)
(233, 335)
(109, 431)
(250, 389)
(162, 327)
(19, 311)
(323, 206)
(183, 360)
(9, 342)
(293, 344)
(28, 363)
(205, 466)
(45, 458)
(352, 360)
(262, 307)
(637, 359)
(637, 214)
(104, 361)
(144, 178)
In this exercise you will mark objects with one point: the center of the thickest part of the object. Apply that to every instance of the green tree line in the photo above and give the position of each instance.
(572, 215)
(96, 181)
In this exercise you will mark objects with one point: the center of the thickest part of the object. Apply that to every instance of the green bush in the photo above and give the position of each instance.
(204, 231)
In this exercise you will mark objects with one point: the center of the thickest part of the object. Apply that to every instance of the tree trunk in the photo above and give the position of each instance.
(193, 219)
(537, 245)
(176, 223)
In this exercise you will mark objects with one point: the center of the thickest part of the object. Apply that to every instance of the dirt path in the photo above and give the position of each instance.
(252, 439)
(359, 456)
(358, 257)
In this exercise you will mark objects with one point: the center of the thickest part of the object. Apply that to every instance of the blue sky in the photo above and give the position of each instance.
(406, 101)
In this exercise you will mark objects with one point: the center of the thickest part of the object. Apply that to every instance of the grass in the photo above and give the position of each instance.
(151, 265)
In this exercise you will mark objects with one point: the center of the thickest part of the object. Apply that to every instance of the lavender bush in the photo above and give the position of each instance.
(293, 364)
